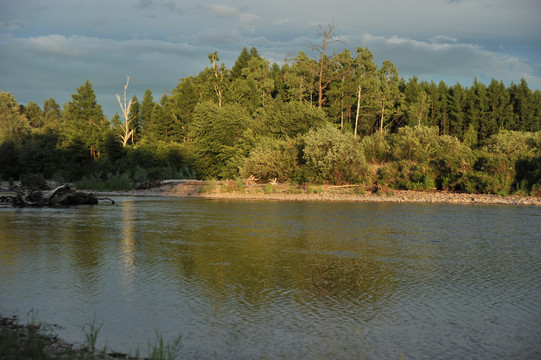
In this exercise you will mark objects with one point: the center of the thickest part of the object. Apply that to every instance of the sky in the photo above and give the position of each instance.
(49, 48)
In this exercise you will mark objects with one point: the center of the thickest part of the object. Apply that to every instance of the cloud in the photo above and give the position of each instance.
(222, 10)
(446, 57)
(56, 65)
(247, 21)
(440, 39)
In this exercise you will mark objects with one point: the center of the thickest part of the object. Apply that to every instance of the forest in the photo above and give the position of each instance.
(333, 119)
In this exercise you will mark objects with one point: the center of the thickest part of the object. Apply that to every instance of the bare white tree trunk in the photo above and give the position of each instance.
(127, 132)
(358, 109)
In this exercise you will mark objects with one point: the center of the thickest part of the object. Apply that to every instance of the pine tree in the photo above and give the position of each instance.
(145, 115)
(14, 125)
(389, 95)
(366, 91)
(84, 121)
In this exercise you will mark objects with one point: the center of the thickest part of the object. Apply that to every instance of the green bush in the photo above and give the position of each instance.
(376, 148)
(271, 159)
(333, 157)
(514, 144)
(492, 174)
(289, 119)
(419, 143)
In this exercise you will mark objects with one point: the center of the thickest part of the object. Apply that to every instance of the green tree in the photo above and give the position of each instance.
(282, 120)
(241, 63)
(183, 102)
(500, 110)
(389, 95)
(14, 125)
(257, 74)
(416, 103)
(34, 115)
(218, 135)
(477, 111)
(523, 107)
(145, 117)
(299, 79)
(457, 111)
(367, 90)
(135, 119)
(83, 120)
(342, 90)
(164, 125)
(51, 113)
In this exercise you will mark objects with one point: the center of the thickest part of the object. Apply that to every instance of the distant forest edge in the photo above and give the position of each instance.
(337, 119)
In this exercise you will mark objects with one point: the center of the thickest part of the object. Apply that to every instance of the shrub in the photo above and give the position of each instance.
(514, 144)
(419, 143)
(289, 119)
(376, 148)
(271, 159)
(333, 157)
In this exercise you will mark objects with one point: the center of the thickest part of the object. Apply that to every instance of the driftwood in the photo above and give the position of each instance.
(63, 195)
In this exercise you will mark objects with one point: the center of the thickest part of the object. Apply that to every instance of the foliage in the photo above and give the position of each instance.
(332, 157)
(272, 159)
(289, 119)
(218, 134)
(274, 121)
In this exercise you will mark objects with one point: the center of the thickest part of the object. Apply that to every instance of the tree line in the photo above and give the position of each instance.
(331, 119)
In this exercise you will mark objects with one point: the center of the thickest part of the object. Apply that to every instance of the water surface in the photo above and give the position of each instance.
(265, 279)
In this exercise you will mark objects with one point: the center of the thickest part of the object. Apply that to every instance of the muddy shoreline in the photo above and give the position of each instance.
(231, 190)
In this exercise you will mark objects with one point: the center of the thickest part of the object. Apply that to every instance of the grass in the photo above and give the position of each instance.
(91, 331)
(37, 340)
(113, 182)
(161, 350)
(209, 187)
(270, 188)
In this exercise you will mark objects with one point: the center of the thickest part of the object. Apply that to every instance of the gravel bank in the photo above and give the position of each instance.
(286, 192)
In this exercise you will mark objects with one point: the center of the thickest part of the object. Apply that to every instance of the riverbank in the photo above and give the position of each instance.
(235, 190)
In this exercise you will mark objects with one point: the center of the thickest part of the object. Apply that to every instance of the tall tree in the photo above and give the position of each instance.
(127, 128)
(34, 115)
(183, 101)
(147, 107)
(500, 109)
(51, 113)
(324, 72)
(299, 78)
(477, 110)
(135, 119)
(416, 103)
(457, 111)
(342, 89)
(257, 72)
(84, 121)
(14, 125)
(523, 108)
(367, 89)
(390, 96)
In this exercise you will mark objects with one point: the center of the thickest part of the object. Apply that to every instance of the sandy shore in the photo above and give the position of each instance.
(285, 192)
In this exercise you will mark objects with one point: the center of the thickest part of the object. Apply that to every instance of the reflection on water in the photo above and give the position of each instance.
(282, 280)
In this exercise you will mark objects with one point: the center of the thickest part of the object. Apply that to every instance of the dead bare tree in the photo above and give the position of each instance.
(323, 82)
(126, 131)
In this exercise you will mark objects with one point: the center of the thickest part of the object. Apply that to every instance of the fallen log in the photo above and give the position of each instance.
(63, 195)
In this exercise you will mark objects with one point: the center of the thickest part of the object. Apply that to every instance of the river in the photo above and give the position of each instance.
(281, 280)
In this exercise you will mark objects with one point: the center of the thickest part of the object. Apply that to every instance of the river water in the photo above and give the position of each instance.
(281, 280)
